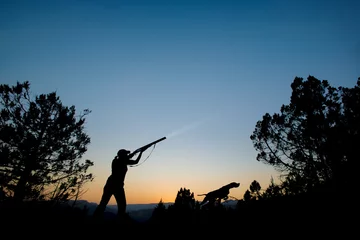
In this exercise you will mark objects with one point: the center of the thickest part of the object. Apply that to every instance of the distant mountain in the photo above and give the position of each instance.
(230, 203)
(138, 212)
(141, 215)
(113, 207)
(135, 207)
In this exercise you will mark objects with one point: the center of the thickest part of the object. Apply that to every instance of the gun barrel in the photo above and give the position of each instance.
(143, 148)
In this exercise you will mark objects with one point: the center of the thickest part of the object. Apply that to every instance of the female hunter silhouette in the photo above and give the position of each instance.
(115, 183)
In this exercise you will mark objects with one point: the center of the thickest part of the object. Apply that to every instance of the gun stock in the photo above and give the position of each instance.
(143, 148)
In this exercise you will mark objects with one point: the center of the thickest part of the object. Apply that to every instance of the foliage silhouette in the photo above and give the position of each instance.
(41, 145)
(313, 140)
(159, 215)
(181, 212)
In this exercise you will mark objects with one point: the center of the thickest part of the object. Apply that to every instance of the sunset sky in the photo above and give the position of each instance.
(200, 73)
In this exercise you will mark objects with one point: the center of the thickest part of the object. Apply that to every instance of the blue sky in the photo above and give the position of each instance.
(207, 70)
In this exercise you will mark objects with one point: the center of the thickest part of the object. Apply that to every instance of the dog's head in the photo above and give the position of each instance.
(234, 185)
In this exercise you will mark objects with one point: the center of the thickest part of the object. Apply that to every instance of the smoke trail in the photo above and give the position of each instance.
(184, 129)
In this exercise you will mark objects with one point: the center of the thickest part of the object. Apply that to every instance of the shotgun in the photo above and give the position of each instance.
(143, 148)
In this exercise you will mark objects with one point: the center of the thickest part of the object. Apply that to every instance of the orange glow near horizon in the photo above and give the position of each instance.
(139, 191)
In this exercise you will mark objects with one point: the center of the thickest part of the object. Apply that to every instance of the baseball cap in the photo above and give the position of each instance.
(123, 152)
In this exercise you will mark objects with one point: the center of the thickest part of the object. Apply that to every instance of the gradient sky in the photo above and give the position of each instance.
(201, 73)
